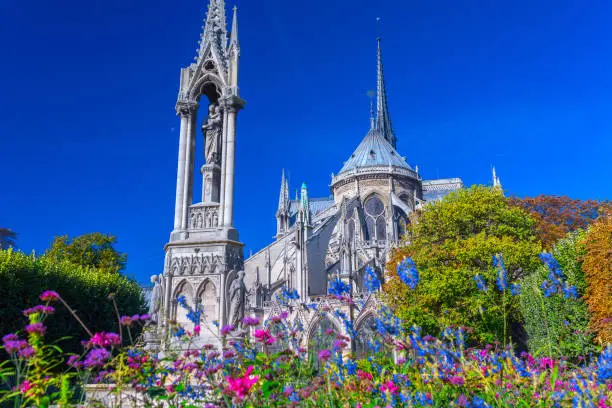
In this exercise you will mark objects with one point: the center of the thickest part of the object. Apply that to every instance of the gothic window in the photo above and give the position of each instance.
(209, 303)
(375, 218)
(351, 230)
(366, 333)
(319, 340)
(400, 220)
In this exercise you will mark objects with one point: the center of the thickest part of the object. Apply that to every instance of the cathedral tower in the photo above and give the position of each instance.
(204, 255)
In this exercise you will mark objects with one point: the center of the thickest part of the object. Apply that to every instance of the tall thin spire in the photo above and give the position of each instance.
(234, 43)
(283, 198)
(383, 120)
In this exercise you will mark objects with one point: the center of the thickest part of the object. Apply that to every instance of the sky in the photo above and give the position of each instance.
(89, 134)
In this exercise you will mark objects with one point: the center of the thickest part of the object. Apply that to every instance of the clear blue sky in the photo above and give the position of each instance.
(88, 133)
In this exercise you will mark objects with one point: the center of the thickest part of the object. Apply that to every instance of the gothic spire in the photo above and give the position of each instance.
(283, 197)
(234, 43)
(383, 120)
(214, 31)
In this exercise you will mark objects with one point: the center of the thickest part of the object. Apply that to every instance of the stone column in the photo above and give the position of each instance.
(180, 174)
(189, 162)
(228, 202)
(223, 166)
(167, 296)
(222, 300)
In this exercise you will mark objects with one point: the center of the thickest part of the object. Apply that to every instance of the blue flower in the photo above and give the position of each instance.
(387, 324)
(515, 289)
(338, 288)
(408, 273)
(502, 274)
(604, 365)
(480, 283)
(570, 291)
(371, 280)
(179, 332)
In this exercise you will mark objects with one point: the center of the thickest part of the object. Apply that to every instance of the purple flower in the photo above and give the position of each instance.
(325, 354)
(73, 361)
(26, 352)
(49, 296)
(12, 343)
(42, 309)
(145, 317)
(250, 321)
(225, 330)
(36, 328)
(126, 320)
(96, 358)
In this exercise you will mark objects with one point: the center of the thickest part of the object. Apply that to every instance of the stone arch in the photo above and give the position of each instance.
(208, 84)
(208, 297)
(179, 313)
(365, 326)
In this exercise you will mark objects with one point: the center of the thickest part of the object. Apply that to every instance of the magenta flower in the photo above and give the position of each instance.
(49, 296)
(264, 336)
(36, 328)
(26, 352)
(25, 386)
(389, 387)
(103, 339)
(456, 380)
(12, 343)
(242, 385)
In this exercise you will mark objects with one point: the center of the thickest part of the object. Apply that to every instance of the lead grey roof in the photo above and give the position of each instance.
(317, 205)
(374, 150)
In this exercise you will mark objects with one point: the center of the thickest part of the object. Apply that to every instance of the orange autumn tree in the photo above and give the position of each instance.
(556, 216)
(597, 267)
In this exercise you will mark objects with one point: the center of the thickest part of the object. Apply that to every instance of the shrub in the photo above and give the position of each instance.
(598, 273)
(558, 325)
(452, 241)
(24, 277)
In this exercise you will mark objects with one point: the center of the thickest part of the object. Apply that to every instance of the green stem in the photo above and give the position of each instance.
(545, 319)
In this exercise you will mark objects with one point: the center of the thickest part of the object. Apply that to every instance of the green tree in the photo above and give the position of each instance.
(558, 325)
(7, 238)
(95, 250)
(452, 241)
(87, 290)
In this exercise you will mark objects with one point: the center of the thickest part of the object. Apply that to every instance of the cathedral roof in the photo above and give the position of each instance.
(374, 151)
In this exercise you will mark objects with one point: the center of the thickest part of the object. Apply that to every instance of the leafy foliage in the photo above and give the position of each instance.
(452, 241)
(558, 325)
(95, 250)
(7, 238)
(23, 277)
(597, 267)
(556, 216)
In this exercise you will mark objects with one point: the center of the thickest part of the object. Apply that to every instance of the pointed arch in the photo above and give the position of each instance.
(202, 86)
(208, 297)
(179, 313)
(375, 212)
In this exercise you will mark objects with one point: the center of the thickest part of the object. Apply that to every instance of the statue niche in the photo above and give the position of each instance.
(211, 129)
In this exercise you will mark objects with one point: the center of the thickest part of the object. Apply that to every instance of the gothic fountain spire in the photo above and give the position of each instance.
(214, 33)
(282, 213)
(234, 43)
(383, 120)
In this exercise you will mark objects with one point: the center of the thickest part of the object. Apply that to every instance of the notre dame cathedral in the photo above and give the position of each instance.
(365, 215)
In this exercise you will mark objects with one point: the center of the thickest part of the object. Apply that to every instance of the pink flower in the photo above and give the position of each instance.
(242, 385)
(390, 387)
(49, 296)
(456, 380)
(364, 375)
(196, 330)
(103, 339)
(25, 386)
(126, 321)
(36, 328)
(264, 336)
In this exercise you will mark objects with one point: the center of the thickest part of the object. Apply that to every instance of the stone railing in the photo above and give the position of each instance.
(375, 170)
(203, 216)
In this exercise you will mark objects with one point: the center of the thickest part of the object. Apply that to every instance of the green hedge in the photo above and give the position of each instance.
(23, 278)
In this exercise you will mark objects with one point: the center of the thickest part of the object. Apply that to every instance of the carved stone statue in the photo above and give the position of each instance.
(156, 299)
(237, 300)
(211, 129)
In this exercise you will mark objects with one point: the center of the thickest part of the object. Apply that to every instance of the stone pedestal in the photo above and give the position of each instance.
(211, 182)
(152, 339)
